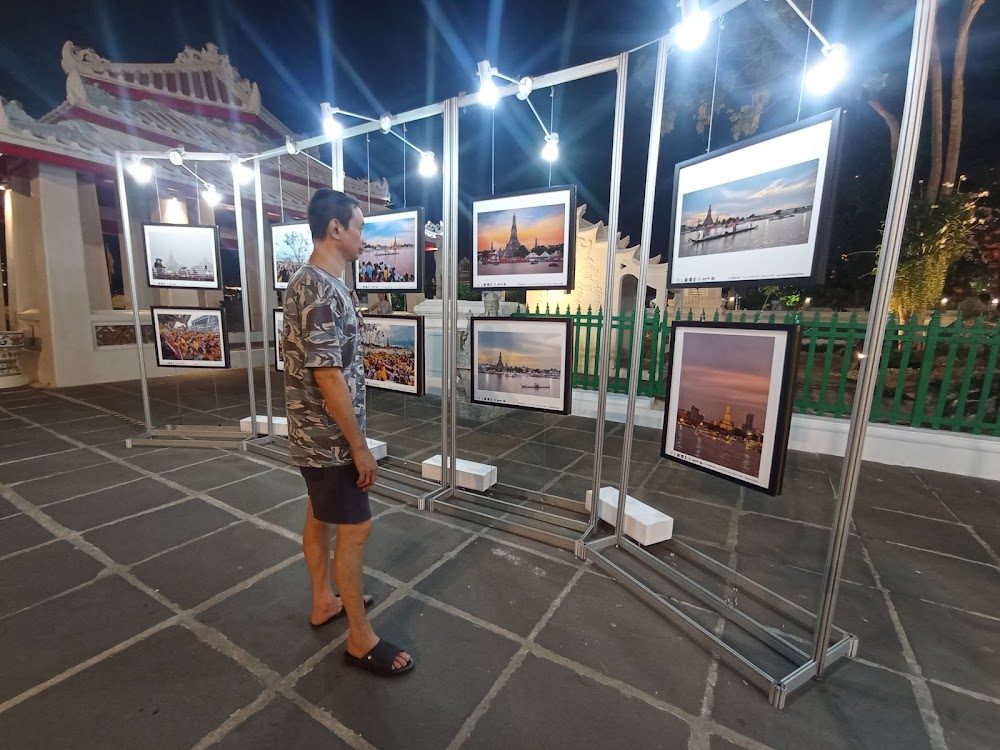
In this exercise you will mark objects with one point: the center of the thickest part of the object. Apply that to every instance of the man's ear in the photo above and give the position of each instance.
(333, 228)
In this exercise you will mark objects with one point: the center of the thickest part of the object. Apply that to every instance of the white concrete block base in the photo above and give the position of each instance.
(645, 524)
(471, 475)
(378, 448)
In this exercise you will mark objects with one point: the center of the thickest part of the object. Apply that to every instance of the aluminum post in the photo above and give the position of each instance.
(245, 297)
(264, 307)
(449, 281)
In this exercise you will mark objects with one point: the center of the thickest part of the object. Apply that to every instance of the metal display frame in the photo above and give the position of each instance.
(185, 436)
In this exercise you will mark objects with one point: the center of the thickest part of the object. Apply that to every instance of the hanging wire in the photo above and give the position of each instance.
(493, 154)
(197, 193)
(281, 192)
(368, 161)
(715, 81)
(552, 118)
(156, 189)
(404, 165)
(805, 63)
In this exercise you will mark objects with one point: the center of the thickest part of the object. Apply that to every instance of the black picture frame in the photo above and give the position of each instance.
(181, 229)
(161, 360)
(277, 323)
(681, 275)
(419, 342)
(277, 285)
(565, 328)
(413, 286)
(784, 392)
(500, 203)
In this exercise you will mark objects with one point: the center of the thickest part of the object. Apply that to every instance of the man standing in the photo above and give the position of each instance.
(325, 400)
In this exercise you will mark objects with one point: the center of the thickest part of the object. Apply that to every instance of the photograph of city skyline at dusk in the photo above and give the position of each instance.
(768, 210)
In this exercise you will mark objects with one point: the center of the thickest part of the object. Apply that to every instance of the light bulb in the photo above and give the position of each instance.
(140, 171)
(211, 195)
(385, 122)
(242, 174)
(489, 94)
(176, 156)
(332, 127)
(428, 167)
(693, 30)
(826, 75)
(550, 152)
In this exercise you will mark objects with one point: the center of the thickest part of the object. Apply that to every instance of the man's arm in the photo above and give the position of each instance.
(338, 400)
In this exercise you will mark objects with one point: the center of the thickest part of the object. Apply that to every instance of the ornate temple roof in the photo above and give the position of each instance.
(199, 102)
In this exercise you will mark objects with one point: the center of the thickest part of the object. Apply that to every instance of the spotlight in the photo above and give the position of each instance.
(691, 32)
(241, 172)
(524, 87)
(331, 126)
(385, 122)
(550, 152)
(428, 167)
(290, 146)
(944, 300)
(489, 94)
(176, 156)
(827, 74)
(211, 196)
(140, 171)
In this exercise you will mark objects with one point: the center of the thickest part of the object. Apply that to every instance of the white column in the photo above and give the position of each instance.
(95, 257)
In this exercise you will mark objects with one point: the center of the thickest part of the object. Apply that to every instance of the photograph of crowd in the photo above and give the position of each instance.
(291, 245)
(392, 256)
(190, 337)
(182, 256)
(392, 351)
(279, 344)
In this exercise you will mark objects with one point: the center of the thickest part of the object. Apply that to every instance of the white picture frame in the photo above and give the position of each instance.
(181, 256)
(200, 331)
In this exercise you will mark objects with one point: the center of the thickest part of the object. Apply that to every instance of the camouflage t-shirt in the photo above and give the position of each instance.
(320, 330)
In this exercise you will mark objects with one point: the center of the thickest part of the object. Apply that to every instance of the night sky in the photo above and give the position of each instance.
(378, 56)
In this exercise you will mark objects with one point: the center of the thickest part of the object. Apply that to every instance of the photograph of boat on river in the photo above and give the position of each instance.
(392, 253)
(729, 400)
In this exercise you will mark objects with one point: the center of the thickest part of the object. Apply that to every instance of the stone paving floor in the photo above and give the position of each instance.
(157, 597)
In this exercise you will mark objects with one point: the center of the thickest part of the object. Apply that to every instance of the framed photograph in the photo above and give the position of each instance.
(291, 246)
(279, 344)
(758, 212)
(392, 259)
(190, 337)
(524, 363)
(729, 400)
(525, 240)
(182, 256)
(392, 348)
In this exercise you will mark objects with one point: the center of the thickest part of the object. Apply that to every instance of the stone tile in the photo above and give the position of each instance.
(113, 435)
(14, 431)
(43, 446)
(402, 447)
(291, 516)
(90, 424)
(489, 444)
(925, 575)
(603, 626)
(571, 486)
(7, 509)
(977, 506)
(262, 492)
(70, 484)
(972, 657)
(547, 705)
(584, 424)
(51, 413)
(968, 724)
(673, 479)
(66, 631)
(563, 437)
(135, 539)
(456, 663)
(405, 544)
(854, 706)
(526, 476)
(920, 532)
(174, 458)
(34, 468)
(692, 519)
(548, 456)
(390, 423)
(165, 692)
(21, 532)
(281, 724)
(36, 575)
(715, 742)
(108, 505)
(426, 431)
(809, 497)
(216, 473)
(120, 450)
(271, 618)
(898, 490)
(209, 566)
(511, 428)
(521, 586)
(989, 534)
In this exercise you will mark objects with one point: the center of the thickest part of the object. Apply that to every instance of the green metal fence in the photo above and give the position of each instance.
(930, 375)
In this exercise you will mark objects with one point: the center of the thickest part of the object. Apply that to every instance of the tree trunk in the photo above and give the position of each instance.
(937, 124)
(892, 121)
(969, 10)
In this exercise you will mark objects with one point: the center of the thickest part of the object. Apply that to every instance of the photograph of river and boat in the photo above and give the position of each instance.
(728, 408)
(522, 363)
(392, 253)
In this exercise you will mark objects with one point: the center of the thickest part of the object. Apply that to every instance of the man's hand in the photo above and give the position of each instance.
(367, 467)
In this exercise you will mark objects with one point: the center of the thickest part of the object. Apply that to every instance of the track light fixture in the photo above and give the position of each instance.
(242, 174)
(211, 196)
(176, 156)
(141, 171)
(692, 31)
(291, 147)
(827, 74)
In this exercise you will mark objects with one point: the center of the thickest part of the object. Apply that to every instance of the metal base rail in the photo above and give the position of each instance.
(191, 436)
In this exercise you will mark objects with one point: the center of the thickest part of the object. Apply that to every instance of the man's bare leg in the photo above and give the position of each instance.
(316, 549)
(348, 571)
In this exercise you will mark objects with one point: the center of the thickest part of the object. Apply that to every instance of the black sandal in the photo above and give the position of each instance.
(380, 660)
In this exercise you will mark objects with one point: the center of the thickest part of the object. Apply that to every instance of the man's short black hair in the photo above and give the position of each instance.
(327, 205)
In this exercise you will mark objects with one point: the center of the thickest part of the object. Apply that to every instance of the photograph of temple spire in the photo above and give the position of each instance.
(390, 257)
(182, 256)
(722, 393)
(767, 210)
(521, 363)
(521, 241)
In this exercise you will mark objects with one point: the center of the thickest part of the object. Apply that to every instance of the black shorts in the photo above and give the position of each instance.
(335, 495)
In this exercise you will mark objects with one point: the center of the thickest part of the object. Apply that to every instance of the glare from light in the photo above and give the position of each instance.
(290, 146)
(211, 196)
(141, 171)
(996, 301)
(385, 122)
(693, 30)
(428, 167)
(944, 300)
(826, 75)
(489, 94)
(809, 300)
(176, 156)
(332, 127)
(242, 174)
(550, 152)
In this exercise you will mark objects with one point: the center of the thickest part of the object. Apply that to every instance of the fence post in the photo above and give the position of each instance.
(930, 349)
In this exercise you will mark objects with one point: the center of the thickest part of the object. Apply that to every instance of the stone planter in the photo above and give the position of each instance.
(11, 343)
